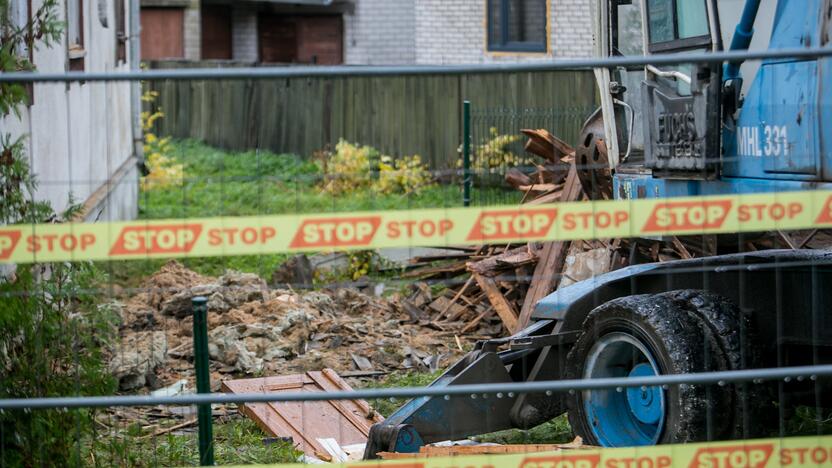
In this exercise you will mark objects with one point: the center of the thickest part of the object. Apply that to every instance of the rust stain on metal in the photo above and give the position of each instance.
(348, 422)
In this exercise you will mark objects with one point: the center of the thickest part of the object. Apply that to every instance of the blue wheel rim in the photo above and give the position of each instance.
(623, 417)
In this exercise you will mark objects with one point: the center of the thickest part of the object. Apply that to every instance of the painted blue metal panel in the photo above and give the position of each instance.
(632, 187)
(825, 99)
(777, 133)
(555, 305)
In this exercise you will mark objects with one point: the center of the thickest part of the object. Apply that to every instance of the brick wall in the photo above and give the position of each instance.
(193, 31)
(244, 34)
(380, 32)
(453, 31)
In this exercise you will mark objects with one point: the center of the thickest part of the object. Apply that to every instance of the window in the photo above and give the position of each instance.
(75, 33)
(517, 25)
(677, 24)
(627, 38)
(121, 32)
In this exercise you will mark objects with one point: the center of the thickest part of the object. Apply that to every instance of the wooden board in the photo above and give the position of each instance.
(503, 307)
(216, 32)
(547, 271)
(398, 115)
(163, 35)
(348, 422)
(429, 451)
(311, 39)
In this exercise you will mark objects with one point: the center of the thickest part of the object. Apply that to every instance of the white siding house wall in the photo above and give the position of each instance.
(79, 135)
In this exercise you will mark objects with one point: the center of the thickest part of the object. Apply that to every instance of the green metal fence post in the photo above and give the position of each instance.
(203, 380)
(466, 153)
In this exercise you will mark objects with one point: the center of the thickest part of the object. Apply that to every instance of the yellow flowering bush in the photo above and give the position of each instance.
(162, 169)
(350, 168)
(404, 175)
(494, 153)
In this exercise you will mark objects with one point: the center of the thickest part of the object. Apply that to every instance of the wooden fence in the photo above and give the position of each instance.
(399, 115)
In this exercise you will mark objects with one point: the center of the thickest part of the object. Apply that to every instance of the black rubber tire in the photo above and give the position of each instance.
(753, 413)
(679, 343)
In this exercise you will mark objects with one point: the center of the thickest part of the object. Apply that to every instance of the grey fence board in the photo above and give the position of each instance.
(397, 114)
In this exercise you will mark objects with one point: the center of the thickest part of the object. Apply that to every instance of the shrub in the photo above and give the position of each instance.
(494, 154)
(352, 167)
(162, 170)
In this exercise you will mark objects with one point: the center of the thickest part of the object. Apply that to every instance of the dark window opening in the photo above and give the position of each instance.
(75, 34)
(121, 32)
(216, 32)
(307, 39)
(517, 25)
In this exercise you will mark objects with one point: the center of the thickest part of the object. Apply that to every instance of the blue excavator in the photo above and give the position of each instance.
(694, 129)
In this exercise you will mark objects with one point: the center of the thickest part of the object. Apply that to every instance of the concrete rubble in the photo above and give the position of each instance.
(254, 330)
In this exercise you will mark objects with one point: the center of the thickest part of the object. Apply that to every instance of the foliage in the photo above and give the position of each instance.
(252, 183)
(386, 407)
(53, 332)
(236, 442)
(808, 420)
(494, 154)
(556, 431)
(53, 336)
(347, 169)
(404, 175)
(17, 186)
(16, 40)
(351, 168)
(162, 171)
(361, 262)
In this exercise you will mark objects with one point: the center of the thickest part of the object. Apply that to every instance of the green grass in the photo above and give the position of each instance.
(387, 406)
(252, 183)
(236, 442)
(223, 183)
(556, 431)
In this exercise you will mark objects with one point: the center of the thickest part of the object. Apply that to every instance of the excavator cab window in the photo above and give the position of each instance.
(676, 25)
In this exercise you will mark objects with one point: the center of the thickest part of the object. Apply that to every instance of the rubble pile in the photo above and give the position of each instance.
(255, 330)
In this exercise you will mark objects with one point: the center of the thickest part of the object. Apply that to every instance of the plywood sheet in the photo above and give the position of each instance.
(348, 422)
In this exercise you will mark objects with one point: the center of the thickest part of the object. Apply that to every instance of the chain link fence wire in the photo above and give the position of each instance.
(112, 341)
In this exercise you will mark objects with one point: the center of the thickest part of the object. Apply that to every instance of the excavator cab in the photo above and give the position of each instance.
(664, 121)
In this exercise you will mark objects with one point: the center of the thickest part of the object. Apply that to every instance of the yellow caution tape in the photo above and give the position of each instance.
(256, 235)
(797, 452)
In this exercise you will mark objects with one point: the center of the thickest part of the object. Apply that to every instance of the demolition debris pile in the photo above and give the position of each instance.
(256, 330)
(500, 285)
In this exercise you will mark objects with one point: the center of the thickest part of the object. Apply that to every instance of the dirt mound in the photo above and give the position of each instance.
(257, 331)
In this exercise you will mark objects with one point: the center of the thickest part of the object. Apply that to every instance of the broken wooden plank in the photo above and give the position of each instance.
(501, 305)
(449, 269)
(516, 178)
(551, 259)
(348, 422)
(458, 450)
(539, 187)
(550, 197)
(491, 265)
(680, 247)
(457, 296)
(442, 304)
(546, 145)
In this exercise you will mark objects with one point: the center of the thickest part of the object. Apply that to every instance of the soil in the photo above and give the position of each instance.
(257, 331)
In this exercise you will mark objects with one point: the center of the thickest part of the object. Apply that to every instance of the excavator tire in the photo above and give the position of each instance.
(646, 335)
(754, 414)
